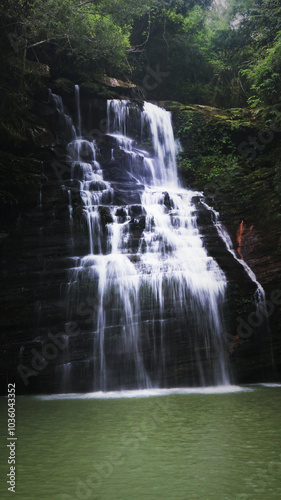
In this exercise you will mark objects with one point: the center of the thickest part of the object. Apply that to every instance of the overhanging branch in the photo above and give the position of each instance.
(84, 3)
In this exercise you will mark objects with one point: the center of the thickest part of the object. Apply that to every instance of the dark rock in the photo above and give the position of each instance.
(136, 210)
(137, 225)
(126, 197)
(169, 204)
(116, 174)
(105, 215)
(121, 212)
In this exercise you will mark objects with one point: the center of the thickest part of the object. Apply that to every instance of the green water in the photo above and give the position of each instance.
(194, 446)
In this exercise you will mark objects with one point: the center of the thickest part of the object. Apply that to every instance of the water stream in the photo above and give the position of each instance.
(135, 283)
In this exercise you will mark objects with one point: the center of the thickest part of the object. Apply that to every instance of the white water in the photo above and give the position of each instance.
(77, 99)
(94, 190)
(149, 393)
(169, 274)
(173, 263)
(259, 296)
(66, 123)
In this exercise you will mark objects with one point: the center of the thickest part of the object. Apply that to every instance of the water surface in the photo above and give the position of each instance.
(202, 445)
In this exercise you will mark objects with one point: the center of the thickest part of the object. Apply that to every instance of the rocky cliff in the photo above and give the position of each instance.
(233, 155)
(46, 230)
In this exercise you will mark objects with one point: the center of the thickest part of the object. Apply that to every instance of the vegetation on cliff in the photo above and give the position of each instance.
(234, 155)
(209, 53)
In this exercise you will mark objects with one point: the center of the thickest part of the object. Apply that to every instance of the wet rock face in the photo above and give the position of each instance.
(168, 202)
(105, 215)
(39, 338)
(261, 250)
(251, 196)
(250, 335)
(36, 255)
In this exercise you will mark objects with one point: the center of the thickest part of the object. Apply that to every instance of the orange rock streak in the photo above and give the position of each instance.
(240, 236)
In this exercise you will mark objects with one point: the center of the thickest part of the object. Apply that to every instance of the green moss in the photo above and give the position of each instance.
(213, 159)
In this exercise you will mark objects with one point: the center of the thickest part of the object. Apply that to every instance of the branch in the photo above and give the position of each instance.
(239, 79)
(84, 3)
(164, 32)
(69, 43)
(137, 47)
(37, 43)
(44, 41)
(129, 67)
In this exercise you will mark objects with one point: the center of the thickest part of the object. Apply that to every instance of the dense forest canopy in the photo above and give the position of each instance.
(223, 53)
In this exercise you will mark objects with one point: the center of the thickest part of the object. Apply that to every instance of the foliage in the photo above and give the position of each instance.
(259, 27)
(243, 189)
(57, 33)
(178, 49)
(265, 76)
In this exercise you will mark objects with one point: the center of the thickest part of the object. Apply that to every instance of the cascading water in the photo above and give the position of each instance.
(259, 297)
(152, 289)
(77, 99)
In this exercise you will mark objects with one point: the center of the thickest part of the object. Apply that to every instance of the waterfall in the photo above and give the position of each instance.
(260, 298)
(66, 123)
(154, 294)
(77, 99)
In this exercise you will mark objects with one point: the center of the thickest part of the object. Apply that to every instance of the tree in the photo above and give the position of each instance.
(259, 26)
(174, 45)
(51, 32)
